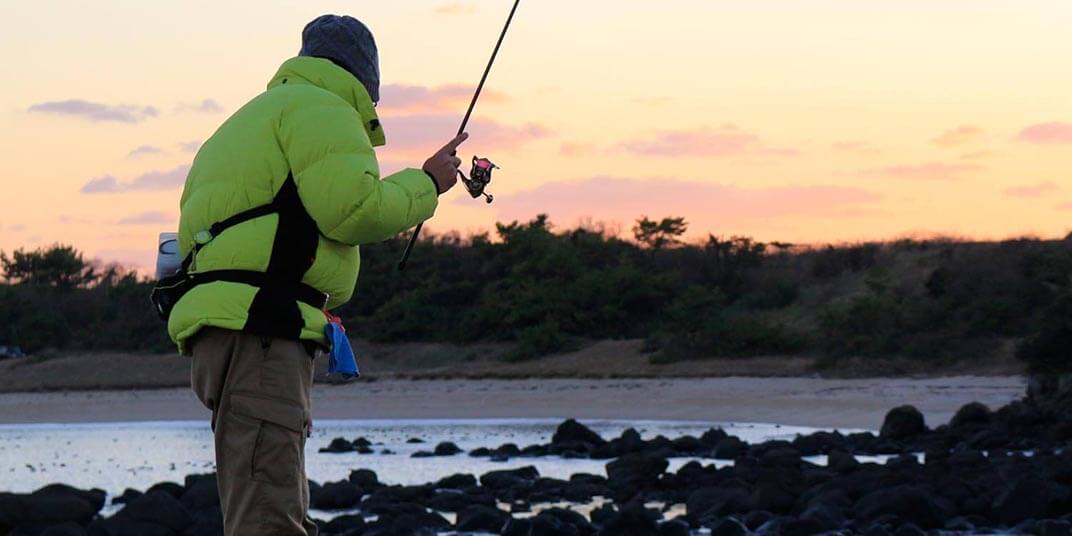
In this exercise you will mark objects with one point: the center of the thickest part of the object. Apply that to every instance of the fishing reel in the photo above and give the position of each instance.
(479, 178)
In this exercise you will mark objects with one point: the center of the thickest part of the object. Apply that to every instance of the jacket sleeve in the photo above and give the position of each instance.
(338, 179)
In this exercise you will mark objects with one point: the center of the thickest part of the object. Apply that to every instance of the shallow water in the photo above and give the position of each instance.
(116, 456)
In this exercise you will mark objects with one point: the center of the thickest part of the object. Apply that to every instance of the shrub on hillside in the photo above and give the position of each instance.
(1050, 349)
(698, 325)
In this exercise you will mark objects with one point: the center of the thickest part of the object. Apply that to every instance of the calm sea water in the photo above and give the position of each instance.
(117, 456)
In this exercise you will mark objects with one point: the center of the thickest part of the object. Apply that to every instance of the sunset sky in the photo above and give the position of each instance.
(797, 120)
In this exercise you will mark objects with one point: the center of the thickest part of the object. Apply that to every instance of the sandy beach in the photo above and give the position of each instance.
(851, 403)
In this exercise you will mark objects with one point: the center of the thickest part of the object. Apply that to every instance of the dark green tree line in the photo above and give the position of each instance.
(549, 290)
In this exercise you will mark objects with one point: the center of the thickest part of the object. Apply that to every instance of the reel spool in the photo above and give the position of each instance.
(479, 178)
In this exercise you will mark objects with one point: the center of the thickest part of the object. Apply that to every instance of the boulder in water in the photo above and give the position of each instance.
(571, 431)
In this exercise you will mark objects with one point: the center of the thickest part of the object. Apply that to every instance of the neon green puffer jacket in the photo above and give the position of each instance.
(313, 129)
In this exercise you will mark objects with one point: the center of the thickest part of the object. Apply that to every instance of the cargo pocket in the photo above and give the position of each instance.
(277, 449)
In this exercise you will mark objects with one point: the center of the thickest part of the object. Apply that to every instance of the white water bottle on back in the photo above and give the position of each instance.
(167, 255)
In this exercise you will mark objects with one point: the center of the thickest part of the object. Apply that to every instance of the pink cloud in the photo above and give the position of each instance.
(144, 150)
(1037, 190)
(927, 171)
(1065, 206)
(577, 149)
(710, 206)
(398, 98)
(1053, 133)
(706, 142)
(429, 132)
(95, 111)
(958, 136)
(190, 146)
(153, 217)
(205, 106)
(150, 181)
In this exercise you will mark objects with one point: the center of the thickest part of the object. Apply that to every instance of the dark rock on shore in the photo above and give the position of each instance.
(405, 519)
(973, 413)
(480, 518)
(510, 477)
(360, 445)
(632, 473)
(729, 448)
(975, 476)
(337, 445)
(632, 520)
(902, 422)
(707, 504)
(571, 431)
(346, 524)
(52, 505)
(335, 495)
(365, 479)
(445, 448)
(157, 508)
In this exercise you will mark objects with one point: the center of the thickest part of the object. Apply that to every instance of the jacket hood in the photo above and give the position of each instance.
(326, 75)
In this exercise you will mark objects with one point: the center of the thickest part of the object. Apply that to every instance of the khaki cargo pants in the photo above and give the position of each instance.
(258, 391)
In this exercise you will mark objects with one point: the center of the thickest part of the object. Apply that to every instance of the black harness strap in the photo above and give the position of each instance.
(306, 294)
(243, 217)
(274, 312)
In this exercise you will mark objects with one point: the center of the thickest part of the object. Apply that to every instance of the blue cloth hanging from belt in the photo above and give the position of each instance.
(341, 361)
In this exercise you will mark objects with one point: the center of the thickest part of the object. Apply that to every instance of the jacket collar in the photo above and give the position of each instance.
(326, 75)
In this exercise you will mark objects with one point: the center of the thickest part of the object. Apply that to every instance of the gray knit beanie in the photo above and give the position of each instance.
(349, 44)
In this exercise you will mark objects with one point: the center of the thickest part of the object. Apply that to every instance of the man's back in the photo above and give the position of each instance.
(313, 131)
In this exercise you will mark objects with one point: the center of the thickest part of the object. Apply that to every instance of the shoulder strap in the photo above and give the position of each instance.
(203, 237)
(243, 217)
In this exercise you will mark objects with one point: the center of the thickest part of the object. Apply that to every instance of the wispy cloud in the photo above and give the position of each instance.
(1036, 190)
(144, 150)
(76, 220)
(190, 146)
(206, 106)
(708, 205)
(95, 111)
(455, 8)
(574, 150)
(148, 218)
(403, 98)
(432, 130)
(1065, 206)
(151, 181)
(962, 135)
(706, 142)
(926, 171)
(1054, 133)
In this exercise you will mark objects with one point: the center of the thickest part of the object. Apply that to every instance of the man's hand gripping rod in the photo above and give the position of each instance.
(476, 188)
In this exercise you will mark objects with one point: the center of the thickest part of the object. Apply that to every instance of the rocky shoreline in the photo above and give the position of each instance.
(1002, 471)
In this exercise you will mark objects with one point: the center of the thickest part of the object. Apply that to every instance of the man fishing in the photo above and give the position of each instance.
(274, 208)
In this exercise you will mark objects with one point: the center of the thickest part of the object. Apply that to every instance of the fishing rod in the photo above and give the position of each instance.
(480, 175)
